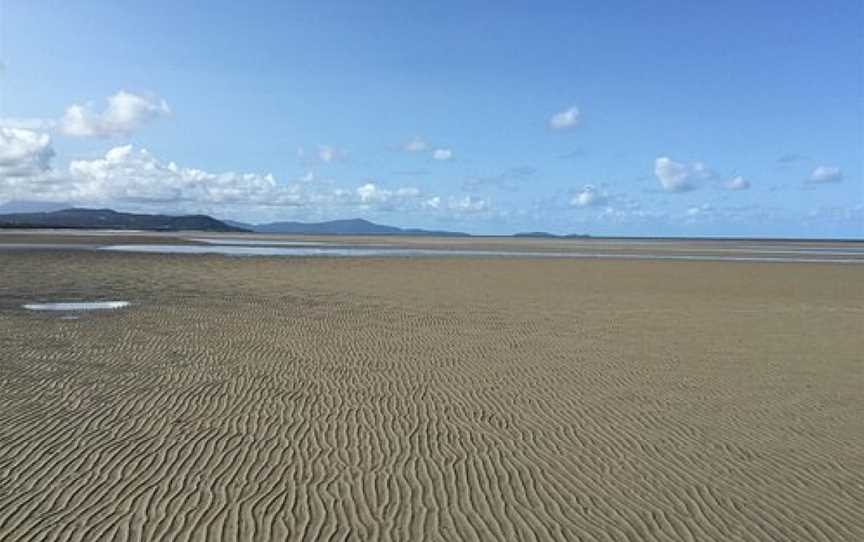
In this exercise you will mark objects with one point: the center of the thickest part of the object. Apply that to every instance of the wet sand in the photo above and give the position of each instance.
(434, 398)
(244, 244)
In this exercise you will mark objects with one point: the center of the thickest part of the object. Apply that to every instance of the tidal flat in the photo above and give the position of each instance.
(433, 398)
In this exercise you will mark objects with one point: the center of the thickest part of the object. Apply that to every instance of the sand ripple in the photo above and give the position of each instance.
(434, 400)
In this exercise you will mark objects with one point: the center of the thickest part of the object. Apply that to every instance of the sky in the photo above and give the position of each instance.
(603, 118)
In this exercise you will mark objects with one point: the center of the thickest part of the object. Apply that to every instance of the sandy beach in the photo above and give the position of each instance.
(430, 399)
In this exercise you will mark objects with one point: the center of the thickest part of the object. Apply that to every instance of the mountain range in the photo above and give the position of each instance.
(38, 215)
(75, 218)
(353, 226)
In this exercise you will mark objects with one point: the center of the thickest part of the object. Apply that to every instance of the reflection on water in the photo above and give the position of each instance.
(77, 306)
(260, 242)
(367, 251)
(670, 247)
(237, 250)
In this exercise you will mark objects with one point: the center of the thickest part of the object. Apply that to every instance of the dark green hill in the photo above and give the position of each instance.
(354, 226)
(75, 218)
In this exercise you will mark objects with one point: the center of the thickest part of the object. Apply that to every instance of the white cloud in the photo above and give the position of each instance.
(587, 197)
(125, 113)
(468, 205)
(826, 174)
(371, 193)
(565, 120)
(24, 153)
(416, 144)
(680, 177)
(129, 175)
(442, 154)
(419, 145)
(127, 178)
(737, 183)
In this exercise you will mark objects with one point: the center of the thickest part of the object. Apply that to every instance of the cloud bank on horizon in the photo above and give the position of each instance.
(487, 168)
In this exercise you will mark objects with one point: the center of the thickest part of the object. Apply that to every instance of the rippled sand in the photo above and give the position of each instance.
(440, 399)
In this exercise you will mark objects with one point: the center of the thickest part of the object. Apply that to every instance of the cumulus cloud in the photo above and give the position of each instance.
(25, 167)
(459, 207)
(587, 197)
(825, 174)
(678, 176)
(372, 194)
(468, 205)
(565, 120)
(130, 177)
(24, 153)
(125, 113)
(442, 154)
(737, 183)
(126, 174)
(420, 146)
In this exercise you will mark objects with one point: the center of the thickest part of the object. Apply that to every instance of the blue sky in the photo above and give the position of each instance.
(673, 118)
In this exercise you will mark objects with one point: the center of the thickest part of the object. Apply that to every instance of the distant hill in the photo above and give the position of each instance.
(75, 218)
(355, 226)
(24, 214)
(242, 225)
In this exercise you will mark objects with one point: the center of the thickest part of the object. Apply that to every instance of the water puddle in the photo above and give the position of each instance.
(77, 306)
(262, 250)
(260, 242)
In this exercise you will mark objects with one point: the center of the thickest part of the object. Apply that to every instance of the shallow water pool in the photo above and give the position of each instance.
(77, 306)
(367, 251)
